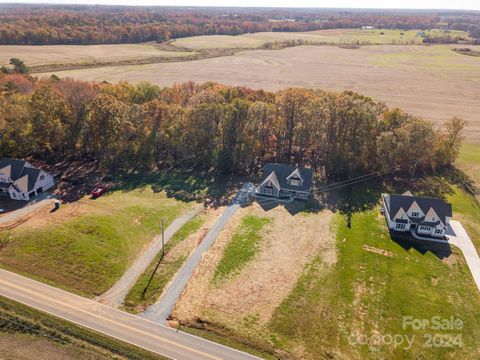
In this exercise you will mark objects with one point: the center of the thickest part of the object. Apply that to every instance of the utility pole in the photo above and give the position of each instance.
(158, 264)
(414, 168)
(163, 240)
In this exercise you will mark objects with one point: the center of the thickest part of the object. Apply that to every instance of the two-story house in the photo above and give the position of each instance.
(284, 181)
(20, 180)
(425, 216)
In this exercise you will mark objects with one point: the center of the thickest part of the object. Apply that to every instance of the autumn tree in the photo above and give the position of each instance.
(50, 117)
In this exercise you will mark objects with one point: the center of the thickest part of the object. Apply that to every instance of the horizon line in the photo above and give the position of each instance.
(233, 6)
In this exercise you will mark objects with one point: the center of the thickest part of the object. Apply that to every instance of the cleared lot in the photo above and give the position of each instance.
(429, 81)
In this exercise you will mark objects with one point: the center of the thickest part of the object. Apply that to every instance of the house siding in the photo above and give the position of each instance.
(43, 182)
(265, 190)
(404, 224)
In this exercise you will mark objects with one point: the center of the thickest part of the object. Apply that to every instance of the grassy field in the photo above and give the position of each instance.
(26, 333)
(429, 81)
(376, 282)
(344, 308)
(219, 42)
(469, 162)
(336, 36)
(242, 248)
(87, 245)
(176, 252)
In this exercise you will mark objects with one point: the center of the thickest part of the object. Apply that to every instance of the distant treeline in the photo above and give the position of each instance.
(211, 126)
(80, 24)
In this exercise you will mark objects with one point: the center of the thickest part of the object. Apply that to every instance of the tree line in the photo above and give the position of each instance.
(79, 24)
(212, 126)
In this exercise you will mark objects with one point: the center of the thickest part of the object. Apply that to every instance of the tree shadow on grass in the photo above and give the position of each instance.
(183, 185)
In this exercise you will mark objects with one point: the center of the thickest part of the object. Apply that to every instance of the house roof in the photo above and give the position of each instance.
(4, 185)
(282, 172)
(24, 177)
(395, 202)
(16, 167)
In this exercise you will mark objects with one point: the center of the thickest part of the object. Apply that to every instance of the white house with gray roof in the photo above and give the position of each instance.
(284, 181)
(425, 216)
(20, 180)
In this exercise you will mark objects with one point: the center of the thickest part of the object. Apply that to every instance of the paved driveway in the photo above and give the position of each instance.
(33, 205)
(116, 295)
(457, 236)
(461, 239)
(160, 311)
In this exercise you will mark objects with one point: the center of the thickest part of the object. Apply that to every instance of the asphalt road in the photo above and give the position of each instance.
(112, 322)
(117, 293)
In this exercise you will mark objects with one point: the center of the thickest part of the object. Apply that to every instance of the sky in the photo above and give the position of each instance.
(378, 4)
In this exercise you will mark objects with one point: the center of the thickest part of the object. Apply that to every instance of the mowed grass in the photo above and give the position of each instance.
(136, 301)
(242, 248)
(469, 161)
(86, 247)
(331, 310)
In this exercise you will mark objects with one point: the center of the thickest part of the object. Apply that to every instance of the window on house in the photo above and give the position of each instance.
(42, 177)
(438, 231)
(295, 182)
(400, 226)
(269, 191)
(415, 213)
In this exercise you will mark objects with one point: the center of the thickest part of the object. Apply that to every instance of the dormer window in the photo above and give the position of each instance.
(415, 214)
(295, 182)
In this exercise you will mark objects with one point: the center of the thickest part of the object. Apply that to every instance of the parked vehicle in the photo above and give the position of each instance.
(99, 191)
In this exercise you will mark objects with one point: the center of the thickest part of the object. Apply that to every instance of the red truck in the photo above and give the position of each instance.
(98, 191)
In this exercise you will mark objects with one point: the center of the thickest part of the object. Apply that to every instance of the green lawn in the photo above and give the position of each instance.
(242, 247)
(169, 265)
(368, 293)
(350, 36)
(87, 252)
(469, 161)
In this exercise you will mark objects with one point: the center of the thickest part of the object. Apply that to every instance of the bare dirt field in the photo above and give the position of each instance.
(63, 54)
(429, 81)
(245, 303)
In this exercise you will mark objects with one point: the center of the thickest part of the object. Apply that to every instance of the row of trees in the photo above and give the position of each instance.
(61, 24)
(231, 129)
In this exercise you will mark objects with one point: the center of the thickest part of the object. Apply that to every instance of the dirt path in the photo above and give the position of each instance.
(116, 294)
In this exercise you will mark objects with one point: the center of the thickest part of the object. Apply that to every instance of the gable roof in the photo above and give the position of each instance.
(24, 177)
(395, 202)
(282, 172)
(4, 185)
(33, 174)
(16, 167)
(273, 179)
